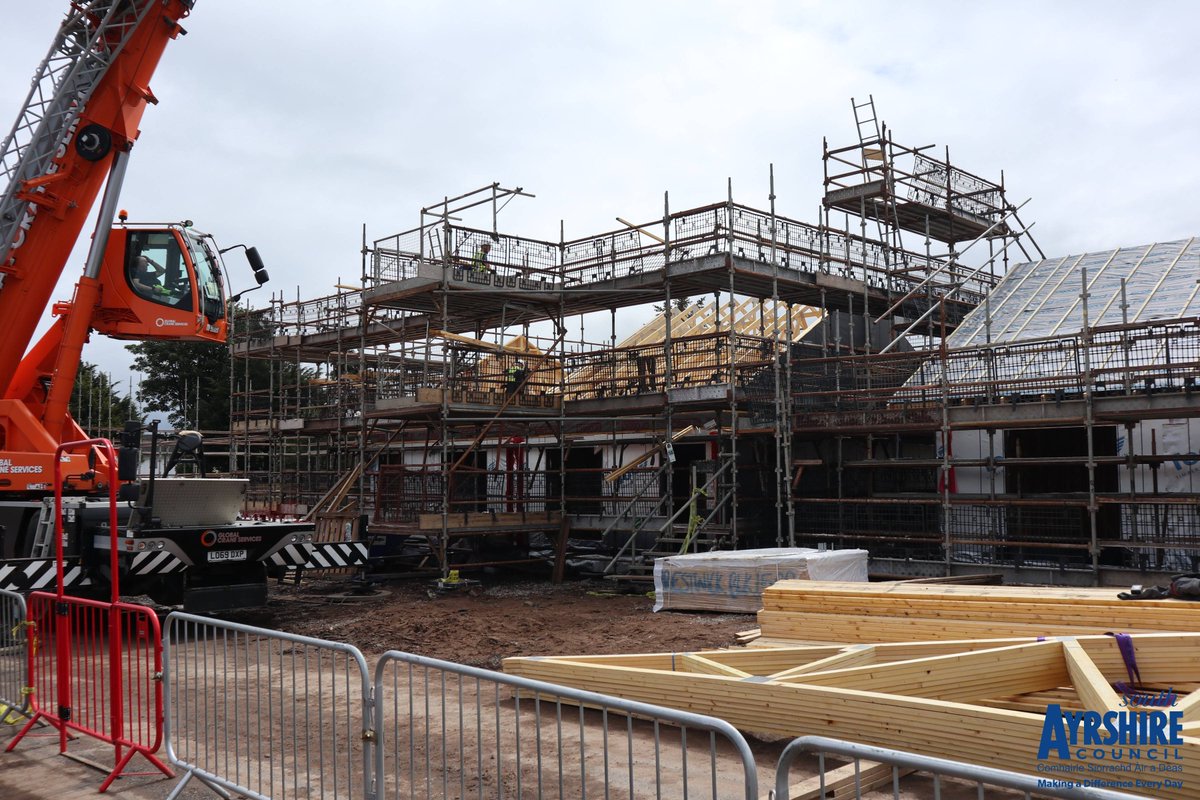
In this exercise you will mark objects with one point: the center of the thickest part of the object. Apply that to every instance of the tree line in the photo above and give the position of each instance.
(188, 383)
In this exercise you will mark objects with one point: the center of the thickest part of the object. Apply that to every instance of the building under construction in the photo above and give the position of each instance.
(909, 374)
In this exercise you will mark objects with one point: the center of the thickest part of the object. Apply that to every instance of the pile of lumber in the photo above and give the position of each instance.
(851, 613)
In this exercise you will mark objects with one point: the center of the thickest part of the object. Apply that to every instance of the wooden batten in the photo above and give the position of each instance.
(704, 666)
(1093, 688)
(854, 656)
(845, 782)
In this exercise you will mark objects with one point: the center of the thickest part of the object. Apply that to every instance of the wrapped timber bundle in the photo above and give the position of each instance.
(734, 580)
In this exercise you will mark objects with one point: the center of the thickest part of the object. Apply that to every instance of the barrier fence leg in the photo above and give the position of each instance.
(39, 715)
(187, 776)
(10, 713)
(124, 762)
(123, 749)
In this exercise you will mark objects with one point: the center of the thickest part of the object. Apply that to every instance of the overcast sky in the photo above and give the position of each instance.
(290, 126)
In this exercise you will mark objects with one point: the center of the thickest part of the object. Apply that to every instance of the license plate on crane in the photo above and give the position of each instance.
(227, 555)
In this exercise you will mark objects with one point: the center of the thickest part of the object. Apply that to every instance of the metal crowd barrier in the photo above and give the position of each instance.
(95, 668)
(451, 731)
(884, 775)
(265, 714)
(15, 691)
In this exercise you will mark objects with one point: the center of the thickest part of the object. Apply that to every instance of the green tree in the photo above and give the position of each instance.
(97, 404)
(680, 304)
(187, 381)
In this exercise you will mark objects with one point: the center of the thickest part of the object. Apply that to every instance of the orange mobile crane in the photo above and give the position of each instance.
(181, 540)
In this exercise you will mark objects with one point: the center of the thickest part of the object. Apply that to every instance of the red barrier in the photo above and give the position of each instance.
(101, 661)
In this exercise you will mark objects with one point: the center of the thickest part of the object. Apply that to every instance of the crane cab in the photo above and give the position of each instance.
(161, 282)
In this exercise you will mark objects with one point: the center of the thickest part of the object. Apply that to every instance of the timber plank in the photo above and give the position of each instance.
(1093, 688)
(852, 656)
(846, 781)
(701, 665)
(963, 676)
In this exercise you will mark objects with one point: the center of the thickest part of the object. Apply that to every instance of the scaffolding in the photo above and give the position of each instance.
(795, 384)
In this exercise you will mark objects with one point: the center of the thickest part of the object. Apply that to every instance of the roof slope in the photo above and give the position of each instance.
(1043, 298)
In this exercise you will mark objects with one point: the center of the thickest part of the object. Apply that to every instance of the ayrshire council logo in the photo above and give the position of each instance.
(1135, 748)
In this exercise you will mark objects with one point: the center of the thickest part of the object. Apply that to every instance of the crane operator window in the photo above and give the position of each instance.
(156, 269)
(208, 276)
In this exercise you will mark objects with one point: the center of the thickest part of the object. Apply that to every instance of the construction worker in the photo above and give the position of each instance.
(514, 376)
(480, 262)
(148, 276)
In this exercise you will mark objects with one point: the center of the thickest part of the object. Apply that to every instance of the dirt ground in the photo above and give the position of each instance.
(482, 625)
(479, 626)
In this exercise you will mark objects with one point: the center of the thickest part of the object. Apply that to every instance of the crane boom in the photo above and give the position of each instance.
(148, 281)
(84, 105)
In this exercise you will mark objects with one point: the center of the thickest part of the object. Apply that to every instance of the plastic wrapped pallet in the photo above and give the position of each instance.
(734, 580)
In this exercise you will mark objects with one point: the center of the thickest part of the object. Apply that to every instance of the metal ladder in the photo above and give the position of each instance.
(701, 531)
(88, 42)
(43, 534)
(870, 132)
(867, 120)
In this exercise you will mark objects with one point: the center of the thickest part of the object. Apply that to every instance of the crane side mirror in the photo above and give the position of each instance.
(256, 263)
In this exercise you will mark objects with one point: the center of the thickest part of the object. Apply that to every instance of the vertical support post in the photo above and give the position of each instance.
(562, 384)
(782, 484)
(947, 510)
(233, 395)
(668, 347)
(1131, 470)
(1089, 416)
(788, 411)
(1126, 344)
(362, 380)
(495, 210)
(444, 416)
(733, 387)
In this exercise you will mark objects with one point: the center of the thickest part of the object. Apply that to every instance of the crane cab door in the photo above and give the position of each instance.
(161, 283)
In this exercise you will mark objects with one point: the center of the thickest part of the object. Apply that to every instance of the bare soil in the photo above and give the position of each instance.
(484, 624)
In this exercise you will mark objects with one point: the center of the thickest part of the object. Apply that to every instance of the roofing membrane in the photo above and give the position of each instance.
(1043, 298)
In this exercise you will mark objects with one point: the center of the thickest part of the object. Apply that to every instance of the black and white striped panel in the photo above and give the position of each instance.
(155, 562)
(39, 574)
(292, 555)
(325, 555)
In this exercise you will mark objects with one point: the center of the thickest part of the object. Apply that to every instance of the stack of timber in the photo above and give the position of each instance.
(834, 611)
(980, 702)
(732, 581)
